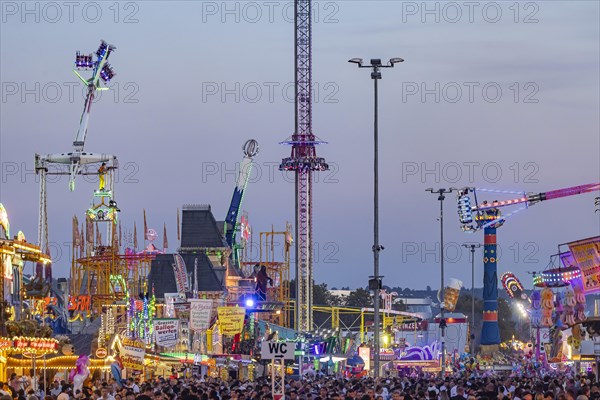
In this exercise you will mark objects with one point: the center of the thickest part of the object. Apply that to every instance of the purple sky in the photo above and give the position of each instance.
(491, 95)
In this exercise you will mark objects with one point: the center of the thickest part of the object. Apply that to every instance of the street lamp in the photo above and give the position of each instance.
(441, 197)
(472, 246)
(375, 282)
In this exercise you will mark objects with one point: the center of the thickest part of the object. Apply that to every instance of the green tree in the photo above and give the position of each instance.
(505, 322)
(323, 297)
(359, 298)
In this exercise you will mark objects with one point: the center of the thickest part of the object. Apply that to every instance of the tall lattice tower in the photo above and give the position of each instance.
(304, 162)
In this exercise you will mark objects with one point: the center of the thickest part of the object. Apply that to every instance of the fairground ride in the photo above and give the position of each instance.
(101, 268)
(303, 161)
(77, 161)
(232, 226)
(475, 216)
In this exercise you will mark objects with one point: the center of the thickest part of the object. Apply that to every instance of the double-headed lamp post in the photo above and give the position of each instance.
(375, 282)
(441, 197)
(472, 246)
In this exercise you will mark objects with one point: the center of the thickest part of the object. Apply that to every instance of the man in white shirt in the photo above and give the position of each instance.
(134, 386)
(433, 388)
(63, 393)
(105, 395)
(56, 389)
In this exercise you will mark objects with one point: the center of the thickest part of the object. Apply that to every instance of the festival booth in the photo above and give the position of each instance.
(558, 310)
(25, 353)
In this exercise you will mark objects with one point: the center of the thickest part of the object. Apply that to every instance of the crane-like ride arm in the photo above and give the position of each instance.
(466, 209)
(102, 72)
(231, 220)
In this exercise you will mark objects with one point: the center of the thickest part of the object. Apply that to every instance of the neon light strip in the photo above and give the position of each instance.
(500, 191)
(502, 219)
(496, 204)
(555, 194)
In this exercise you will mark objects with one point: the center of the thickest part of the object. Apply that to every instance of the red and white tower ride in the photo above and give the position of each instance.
(303, 161)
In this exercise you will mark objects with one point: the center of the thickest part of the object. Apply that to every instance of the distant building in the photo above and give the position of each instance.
(340, 292)
(202, 243)
(420, 306)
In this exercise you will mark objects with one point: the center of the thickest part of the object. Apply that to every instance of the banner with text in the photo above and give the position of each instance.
(166, 332)
(133, 353)
(180, 271)
(587, 254)
(200, 314)
(231, 320)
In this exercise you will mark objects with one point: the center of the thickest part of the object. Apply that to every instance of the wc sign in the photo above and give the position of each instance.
(277, 350)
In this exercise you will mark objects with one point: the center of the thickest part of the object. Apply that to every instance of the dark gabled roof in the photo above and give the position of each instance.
(221, 227)
(199, 228)
(82, 342)
(162, 275)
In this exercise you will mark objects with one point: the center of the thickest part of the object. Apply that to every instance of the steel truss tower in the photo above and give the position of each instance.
(303, 162)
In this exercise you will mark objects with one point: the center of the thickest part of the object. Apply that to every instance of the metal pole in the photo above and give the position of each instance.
(376, 228)
(443, 321)
(441, 197)
(473, 298)
(472, 247)
(375, 283)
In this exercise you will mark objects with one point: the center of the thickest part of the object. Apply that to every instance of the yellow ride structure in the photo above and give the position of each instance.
(274, 254)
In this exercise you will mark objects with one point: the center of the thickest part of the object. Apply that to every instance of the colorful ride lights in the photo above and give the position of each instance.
(107, 73)
(465, 210)
(513, 286)
(557, 277)
(465, 213)
(103, 48)
(84, 61)
(248, 301)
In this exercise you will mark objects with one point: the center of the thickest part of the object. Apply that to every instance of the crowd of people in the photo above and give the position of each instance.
(558, 386)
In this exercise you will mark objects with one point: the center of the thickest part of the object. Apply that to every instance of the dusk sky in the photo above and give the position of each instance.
(499, 95)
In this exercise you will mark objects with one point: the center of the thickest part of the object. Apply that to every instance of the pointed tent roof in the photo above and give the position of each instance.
(199, 228)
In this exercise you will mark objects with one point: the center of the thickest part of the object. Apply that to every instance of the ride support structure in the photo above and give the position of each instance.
(232, 219)
(304, 162)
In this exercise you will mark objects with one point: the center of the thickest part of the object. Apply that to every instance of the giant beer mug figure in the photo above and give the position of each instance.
(451, 293)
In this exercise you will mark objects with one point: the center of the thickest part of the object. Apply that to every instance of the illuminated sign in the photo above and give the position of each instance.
(80, 303)
(30, 345)
(413, 326)
(101, 352)
(132, 354)
(231, 320)
(365, 353)
(50, 301)
(587, 255)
